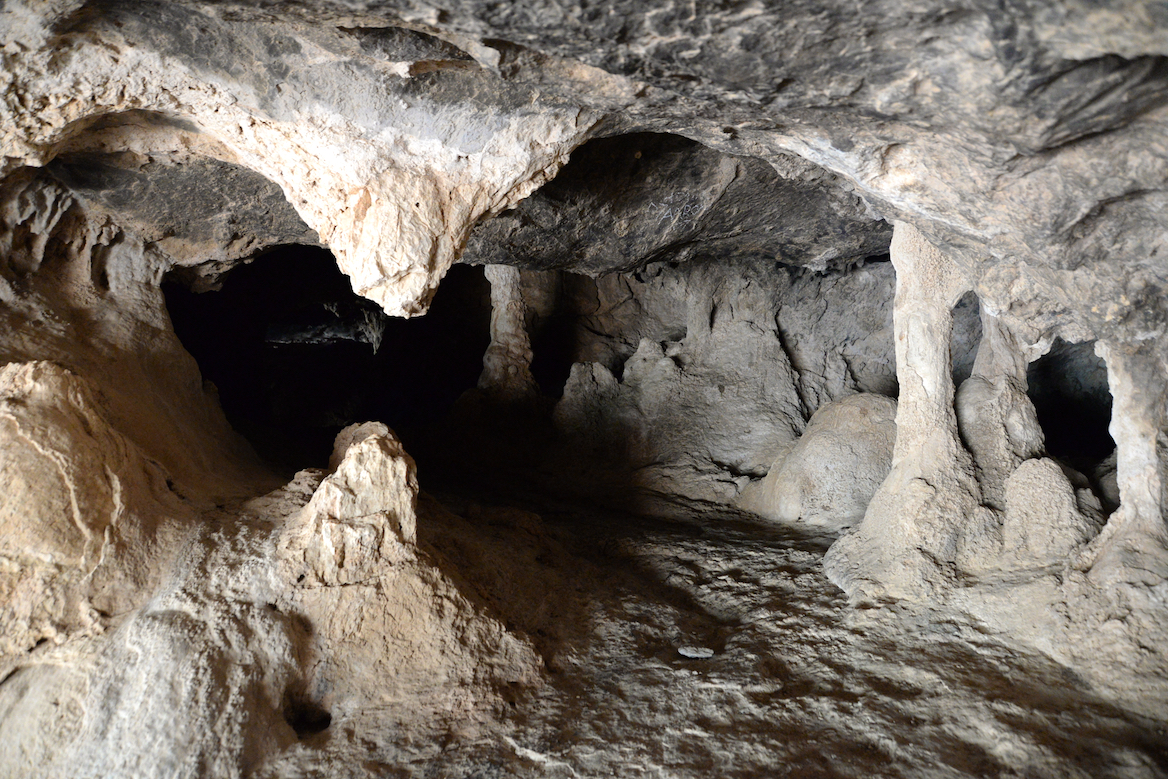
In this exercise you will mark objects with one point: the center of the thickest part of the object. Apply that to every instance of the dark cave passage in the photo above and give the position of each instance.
(296, 355)
(1068, 386)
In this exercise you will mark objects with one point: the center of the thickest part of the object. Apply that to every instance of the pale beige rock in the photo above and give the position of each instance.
(386, 625)
(307, 606)
(85, 517)
(1134, 544)
(158, 620)
(926, 519)
(362, 516)
(395, 201)
(1043, 523)
(507, 362)
(706, 394)
(828, 478)
(996, 419)
(89, 301)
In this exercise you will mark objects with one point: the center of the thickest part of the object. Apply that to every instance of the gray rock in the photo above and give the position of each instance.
(828, 478)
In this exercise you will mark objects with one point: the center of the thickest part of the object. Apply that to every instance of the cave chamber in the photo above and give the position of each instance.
(482, 393)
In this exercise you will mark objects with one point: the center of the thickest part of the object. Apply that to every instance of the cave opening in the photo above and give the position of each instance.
(295, 355)
(1068, 386)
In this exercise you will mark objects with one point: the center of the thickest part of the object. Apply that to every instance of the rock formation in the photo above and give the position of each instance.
(830, 475)
(874, 292)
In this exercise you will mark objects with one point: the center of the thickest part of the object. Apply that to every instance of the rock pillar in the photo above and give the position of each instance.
(507, 363)
(1134, 544)
(918, 529)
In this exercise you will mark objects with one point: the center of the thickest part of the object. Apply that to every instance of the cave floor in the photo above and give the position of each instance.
(797, 682)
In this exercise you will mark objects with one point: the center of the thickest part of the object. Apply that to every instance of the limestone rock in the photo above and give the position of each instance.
(625, 201)
(85, 517)
(828, 478)
(363, 516)
(391, 186)
(997, 422)
(926, 521)
(245, 654)
(507, 361)
(724, 177)
(1043, 523)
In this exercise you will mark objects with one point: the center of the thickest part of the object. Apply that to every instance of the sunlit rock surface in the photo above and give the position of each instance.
(813, 420)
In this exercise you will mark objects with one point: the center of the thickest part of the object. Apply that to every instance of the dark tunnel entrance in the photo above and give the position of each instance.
(1068, 386)
(296, 355)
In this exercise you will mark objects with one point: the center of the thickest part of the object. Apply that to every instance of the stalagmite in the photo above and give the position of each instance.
(1044, 517)
(828, 478)
(997, 420)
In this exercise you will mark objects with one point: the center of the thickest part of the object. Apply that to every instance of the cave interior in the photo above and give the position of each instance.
(484, 391)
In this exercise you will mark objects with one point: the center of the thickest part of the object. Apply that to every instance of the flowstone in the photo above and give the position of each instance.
(829, 476)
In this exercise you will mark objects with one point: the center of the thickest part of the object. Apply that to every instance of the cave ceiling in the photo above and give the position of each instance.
(1026, 138)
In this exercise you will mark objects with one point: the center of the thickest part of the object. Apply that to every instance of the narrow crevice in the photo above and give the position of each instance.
(1068, 387)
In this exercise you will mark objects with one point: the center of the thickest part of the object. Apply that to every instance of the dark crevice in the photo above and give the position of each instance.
(1068, 387)
(553, 347)
(306, 717)
(966, 336)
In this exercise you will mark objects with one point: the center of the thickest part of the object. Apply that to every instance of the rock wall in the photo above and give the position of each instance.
(157, 618)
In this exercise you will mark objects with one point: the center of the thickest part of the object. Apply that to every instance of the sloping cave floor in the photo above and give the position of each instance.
(797, 682)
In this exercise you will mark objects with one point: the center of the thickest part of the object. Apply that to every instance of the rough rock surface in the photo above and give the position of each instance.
(306, 608)
(384, 158)
(685, 209)
(696, 377)
(829, 476)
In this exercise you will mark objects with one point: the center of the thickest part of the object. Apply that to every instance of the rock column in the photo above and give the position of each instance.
(507, 363)
(916, 532)
(1134, 544)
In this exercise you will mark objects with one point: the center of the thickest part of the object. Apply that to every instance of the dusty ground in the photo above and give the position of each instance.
(798, 684)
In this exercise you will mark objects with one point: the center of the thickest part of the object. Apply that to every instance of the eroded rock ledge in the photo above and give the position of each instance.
(799, 264)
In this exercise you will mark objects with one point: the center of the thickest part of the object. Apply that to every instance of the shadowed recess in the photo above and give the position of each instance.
(296, 355)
